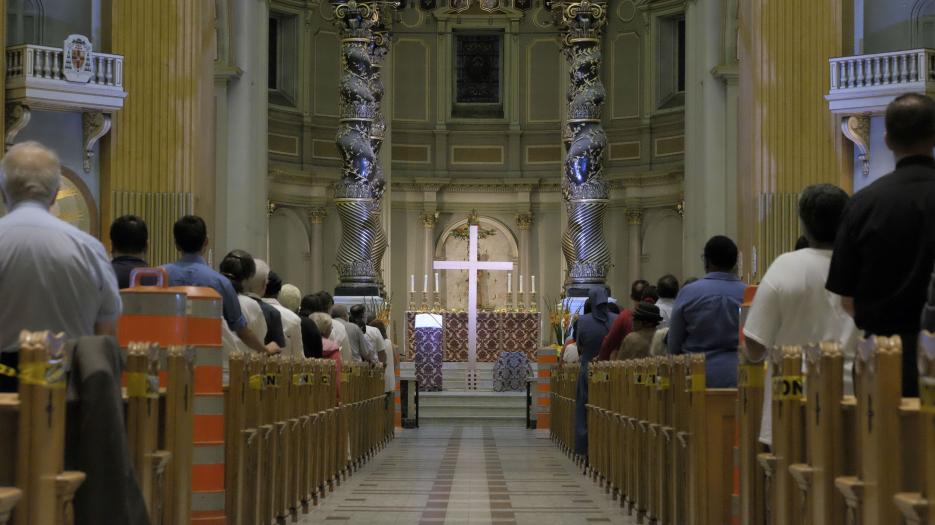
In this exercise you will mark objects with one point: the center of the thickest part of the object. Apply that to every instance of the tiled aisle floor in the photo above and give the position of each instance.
(469, 475)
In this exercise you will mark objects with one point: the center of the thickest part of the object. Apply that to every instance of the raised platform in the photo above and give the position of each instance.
(505, 409)
(454, 375)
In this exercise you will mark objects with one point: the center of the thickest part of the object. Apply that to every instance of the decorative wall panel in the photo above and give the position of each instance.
(412, 95)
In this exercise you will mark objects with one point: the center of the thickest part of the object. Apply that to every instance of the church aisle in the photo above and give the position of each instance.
(469, 475)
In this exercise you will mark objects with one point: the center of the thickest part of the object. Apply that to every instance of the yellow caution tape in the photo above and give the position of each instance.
(256, 382)
(752, 376)
(662, 383)
(136, 384)
(325, 379)
(694, 383)
(788, 388)
(7, 371)
(298, 380)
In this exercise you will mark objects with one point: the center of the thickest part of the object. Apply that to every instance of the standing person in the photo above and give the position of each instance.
(371, 351)
(706, 315)
(885, 248)
(338, 330)
(624, 323)
(53, 276)
(591, 332)
(291, 322)
(389, 373)
(238, 266)
(191, 240)
(668, 288)
(311, 332)
(255, 288)
(355, 336)
(129, 240)
(637, 343)
(791, 306)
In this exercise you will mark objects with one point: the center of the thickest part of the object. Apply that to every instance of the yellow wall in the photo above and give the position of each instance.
(788, 138)
(158, 159)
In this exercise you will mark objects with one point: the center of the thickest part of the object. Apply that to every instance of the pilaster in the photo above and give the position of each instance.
(635, 240)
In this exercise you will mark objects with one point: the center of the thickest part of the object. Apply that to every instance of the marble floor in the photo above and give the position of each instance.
(469, 475)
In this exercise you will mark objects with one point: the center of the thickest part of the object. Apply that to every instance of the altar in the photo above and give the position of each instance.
(496, 332)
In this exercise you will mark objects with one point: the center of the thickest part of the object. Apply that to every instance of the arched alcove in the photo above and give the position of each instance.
(25, 21)
(289, 248)
(923, 24)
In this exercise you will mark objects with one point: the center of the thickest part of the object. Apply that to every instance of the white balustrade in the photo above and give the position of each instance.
(883, 69)
(40, 62)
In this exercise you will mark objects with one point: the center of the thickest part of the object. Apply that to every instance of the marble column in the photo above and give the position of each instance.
(3, 64)
(584, 191)
(429, 219)
(316, 218)
(635, 248)
(523, 223)
(158, 161)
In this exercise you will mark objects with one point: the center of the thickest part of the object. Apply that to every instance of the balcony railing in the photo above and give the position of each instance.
(41, 62)
(916, 67)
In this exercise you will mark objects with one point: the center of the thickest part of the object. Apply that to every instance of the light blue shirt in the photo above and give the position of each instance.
(705, 319)
(192, 270)
(53, 276)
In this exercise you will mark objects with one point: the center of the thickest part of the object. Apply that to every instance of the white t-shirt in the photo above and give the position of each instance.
(231, 342)
(375, 341)
(389, 375)
(339, 336)
(570, 354)
(292, 329)
(792, 307)
(665, 310)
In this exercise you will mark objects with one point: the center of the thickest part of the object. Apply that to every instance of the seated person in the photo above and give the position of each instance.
(637, 343)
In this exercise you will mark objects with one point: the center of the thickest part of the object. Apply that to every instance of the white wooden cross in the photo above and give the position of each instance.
(472, 265)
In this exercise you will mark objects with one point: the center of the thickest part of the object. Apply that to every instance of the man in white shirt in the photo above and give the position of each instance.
(291, 323)
(668, 289)
(791, 306)
(52, 275)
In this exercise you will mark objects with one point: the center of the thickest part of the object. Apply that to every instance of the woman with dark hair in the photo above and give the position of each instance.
(238, 266)
(592, 328)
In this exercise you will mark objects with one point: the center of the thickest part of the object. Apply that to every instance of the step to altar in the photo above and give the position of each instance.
(454, 375)
(477, 408)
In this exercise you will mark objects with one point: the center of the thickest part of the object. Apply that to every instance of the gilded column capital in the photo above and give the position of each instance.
(317, 215)
(429, 219)
(271, 208)
(524, 221)
(634, 217)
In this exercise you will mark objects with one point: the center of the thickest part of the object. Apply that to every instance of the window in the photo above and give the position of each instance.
(24, 22)
(283, 59)
(671, 75)
(478, 74)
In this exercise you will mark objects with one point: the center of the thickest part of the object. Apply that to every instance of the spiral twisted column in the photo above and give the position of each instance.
(359, 192)
(379, 47)
(584, 191)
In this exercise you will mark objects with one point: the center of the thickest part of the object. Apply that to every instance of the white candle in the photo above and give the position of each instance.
(509, 282)
(520, 283)
(533, 284)
(425, 283)
(436, 282)
(412, 283)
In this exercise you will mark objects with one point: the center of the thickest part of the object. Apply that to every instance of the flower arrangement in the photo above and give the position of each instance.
(559, 319)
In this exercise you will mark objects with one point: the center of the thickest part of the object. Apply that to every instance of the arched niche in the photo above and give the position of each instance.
(923, 24)
(289, 247)
(661, 250)
(496, 242)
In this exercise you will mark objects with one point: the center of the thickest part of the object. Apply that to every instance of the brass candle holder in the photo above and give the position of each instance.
(533, 304)
(412, 302)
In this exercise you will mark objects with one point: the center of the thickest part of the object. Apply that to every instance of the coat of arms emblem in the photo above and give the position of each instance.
(77, 65)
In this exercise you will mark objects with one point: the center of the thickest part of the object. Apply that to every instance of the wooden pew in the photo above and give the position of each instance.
(750, 383)
(916, 507)
(680, 429)
(9, 497)
(884, 419)
(788, 389)
(662, 432)
(828, 441)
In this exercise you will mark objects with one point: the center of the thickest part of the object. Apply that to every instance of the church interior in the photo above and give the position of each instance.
(537, 245)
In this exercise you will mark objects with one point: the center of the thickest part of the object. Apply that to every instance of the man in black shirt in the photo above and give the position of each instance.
(129, 240)
(885, 247)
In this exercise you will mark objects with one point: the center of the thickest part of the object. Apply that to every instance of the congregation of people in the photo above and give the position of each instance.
(861, 268)
(64, 281)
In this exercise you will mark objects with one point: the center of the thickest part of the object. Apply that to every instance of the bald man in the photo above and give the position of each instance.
(53, 276)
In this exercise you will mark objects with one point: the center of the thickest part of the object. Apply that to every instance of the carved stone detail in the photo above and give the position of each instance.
(429, 219)
(524, 221)
(317, 215)
(17, 117)
(584, 190)
(857, 129)
(634, 217)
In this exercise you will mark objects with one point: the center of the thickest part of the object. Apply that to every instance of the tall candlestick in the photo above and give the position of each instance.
(533, 284)
(436, 282)
(425, 283)
(509, 282)
(520, 283)
(412, 283)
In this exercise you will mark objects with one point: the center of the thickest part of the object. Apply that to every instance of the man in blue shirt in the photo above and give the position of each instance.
(191, 239)
(706, 314)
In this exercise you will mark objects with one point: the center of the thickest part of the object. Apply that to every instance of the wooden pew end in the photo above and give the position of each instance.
(9, 497)
(913, 507)
(66, 484)
(802, 474)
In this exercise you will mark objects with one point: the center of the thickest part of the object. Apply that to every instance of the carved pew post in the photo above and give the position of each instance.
(826, 439)
(234, 417)
(179, 412)
(664, 443)
(250, 437)
(916, 507)
(282, 427)
(642, 430)
(616, 439)
(680, 421)
(9, 497)
(630, 443)
(750, 382)
(48, 492)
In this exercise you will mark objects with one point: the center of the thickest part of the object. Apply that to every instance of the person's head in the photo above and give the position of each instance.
(637, 288)
(801, 243)
(258, 282)
(326, 300)
(358, 316)
(311, 304)
(587, 306)
(613, 308)
(339, 311)
(323, 322)
(239, 267)
(667, 286)
(191, 234)
(646, 315)
(820, 209)
(30, 172)
(720, 254)
(910, 125)
(290, 297)
(273, 285)
(650, 295)
(379, 325)
(129, 236)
